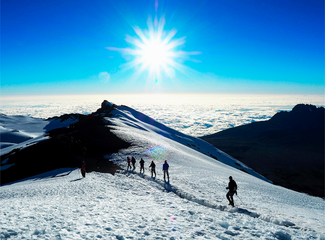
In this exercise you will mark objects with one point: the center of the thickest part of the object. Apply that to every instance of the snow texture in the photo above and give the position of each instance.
(129, 205)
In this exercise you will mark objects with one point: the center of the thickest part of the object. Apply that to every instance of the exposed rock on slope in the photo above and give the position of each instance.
(288, 149)
(88, 139)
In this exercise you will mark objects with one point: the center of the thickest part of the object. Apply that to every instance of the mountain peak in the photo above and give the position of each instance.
(304, 116)
(304, 108)
(106, 107)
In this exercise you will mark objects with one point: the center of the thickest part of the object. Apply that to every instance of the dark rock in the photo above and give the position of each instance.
(65, 117)
(106, 107)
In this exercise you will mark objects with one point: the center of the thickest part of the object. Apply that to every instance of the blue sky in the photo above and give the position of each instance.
(239, 46)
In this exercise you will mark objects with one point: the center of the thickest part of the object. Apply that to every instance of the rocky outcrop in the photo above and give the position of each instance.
(288, 149)
(106, 107)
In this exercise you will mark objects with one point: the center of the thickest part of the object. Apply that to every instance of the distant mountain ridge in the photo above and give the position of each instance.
(288, 149)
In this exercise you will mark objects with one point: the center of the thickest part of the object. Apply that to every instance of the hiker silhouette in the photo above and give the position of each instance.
(133, 162)
(153, 168)
(141, 165)
(165, 169)
(129, 163)
(232, 187)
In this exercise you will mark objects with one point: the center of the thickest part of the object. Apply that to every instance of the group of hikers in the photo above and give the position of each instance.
(232, 186)
(152, 167)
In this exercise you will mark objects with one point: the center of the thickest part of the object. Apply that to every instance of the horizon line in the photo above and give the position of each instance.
(181, 93)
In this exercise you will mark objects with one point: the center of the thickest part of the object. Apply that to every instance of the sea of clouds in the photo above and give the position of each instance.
(192, 114)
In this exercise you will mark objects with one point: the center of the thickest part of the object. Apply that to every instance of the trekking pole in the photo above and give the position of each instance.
(240, 199)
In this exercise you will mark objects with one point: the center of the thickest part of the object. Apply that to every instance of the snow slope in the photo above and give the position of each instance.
(62, 205)
(17, 132)
(125, 116)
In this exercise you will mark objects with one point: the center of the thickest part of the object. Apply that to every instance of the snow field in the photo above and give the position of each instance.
(119, 207)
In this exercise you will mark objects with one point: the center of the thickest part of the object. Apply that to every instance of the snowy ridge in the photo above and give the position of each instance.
(62, 205)
(129, 117)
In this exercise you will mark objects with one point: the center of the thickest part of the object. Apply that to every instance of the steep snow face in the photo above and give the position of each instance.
(124, 116)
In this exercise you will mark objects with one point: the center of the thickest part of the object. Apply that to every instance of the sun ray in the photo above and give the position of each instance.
(155, 50)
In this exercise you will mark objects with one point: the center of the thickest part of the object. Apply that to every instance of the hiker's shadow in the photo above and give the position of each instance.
(76, 180)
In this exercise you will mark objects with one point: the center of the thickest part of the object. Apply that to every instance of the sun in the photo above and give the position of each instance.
(154, 53)
(155, 50)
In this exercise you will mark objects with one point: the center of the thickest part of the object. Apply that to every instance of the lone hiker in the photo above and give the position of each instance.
(141, 165)
(165, 169)
(232, 186)
(133, 162)
(83, 169)
(129, 163)
(153, 168)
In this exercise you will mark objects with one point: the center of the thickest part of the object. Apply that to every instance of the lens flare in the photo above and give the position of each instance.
(158, 153)
(155, 50)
